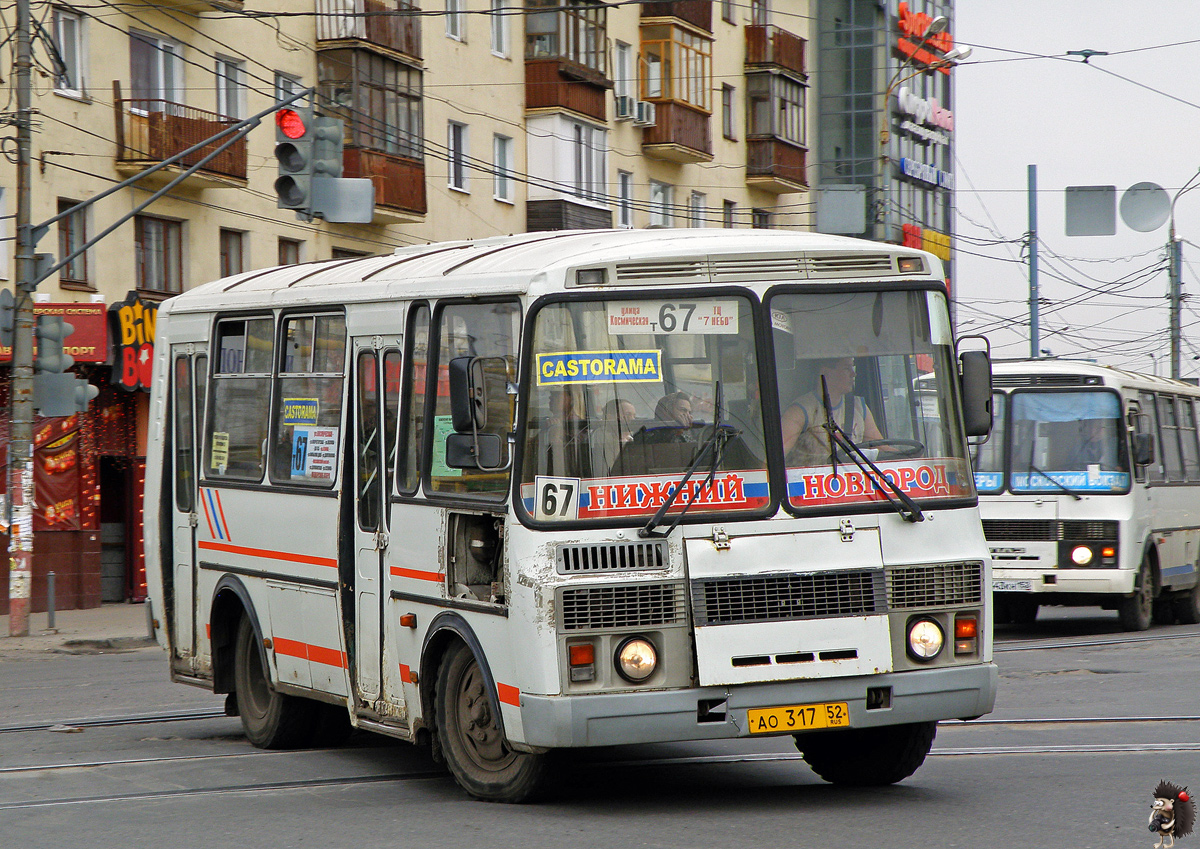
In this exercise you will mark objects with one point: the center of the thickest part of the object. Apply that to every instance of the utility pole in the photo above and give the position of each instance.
(20, 448)
(1033, 279)
(1175, 257)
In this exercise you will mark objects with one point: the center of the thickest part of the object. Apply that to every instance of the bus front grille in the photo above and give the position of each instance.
(621, 606)
(1097, 530)
(935, 585)
(1012, 530)
(778, 598)
(615, 557)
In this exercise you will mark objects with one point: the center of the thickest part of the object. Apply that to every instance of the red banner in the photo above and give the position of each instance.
(89, 341)
(56, 474)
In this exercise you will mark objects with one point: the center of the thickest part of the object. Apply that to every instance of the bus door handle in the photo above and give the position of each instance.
(381, 540)
(193, 520)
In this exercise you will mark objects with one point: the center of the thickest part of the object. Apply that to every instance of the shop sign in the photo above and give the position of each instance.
(936, 243)
(913, 25)
(133, 321)
(89, 341)
(926, 173)
(924, 110)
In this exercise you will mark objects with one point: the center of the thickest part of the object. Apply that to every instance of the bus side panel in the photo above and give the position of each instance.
(156, 578)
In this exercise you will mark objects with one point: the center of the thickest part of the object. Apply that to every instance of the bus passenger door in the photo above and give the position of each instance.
(370, 529)
(188, 379)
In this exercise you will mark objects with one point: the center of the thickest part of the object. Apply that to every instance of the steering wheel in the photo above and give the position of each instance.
(896, 448)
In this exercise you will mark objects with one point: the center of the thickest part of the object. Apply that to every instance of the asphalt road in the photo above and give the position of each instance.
(1088, 719)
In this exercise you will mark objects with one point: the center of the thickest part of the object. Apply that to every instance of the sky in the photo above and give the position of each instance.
(1131, 116)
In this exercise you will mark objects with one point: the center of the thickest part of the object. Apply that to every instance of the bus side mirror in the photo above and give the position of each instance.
(1143, 449)
(468, 395)
(473, 451)
(976, 379)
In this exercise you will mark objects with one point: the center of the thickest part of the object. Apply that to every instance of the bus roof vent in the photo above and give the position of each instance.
(614, 557)
(770, 268)
(680, 271)
(850, 265)
(1010, 380)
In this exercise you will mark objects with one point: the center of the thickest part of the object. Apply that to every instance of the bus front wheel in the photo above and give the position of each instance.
(474, 746)
(1137, 611)
(867, 757)
(270, 719)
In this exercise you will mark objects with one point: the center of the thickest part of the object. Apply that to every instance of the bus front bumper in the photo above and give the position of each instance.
(675, 715)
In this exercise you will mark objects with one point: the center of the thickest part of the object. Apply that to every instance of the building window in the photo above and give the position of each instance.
(289, 251)
(728, 211)
(760, 219)
(68, 45)
(286, 85)
(231, 77)
(456, 155)
(660, 204)
(589, 150)
(574, 31)
(677, 65)
(158, 251)
(727, 128)
(233, 250)
(456, 20)
(776, 107)
(624, 82)
(697, 209)
(727, 11)
(500, 28)
(624, 199)
(760, 12)
(155, 71)
(502, 148)
(378, 97)
(72, 235)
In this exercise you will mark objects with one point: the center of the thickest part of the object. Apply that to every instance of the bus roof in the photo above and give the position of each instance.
(543, 261)
(1067, 373)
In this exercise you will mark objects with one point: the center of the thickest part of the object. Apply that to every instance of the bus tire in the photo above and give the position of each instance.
(476, 752)
(1136, 612)
(270, 719)
(1187, 606)
(1023, 611)
(867, 757)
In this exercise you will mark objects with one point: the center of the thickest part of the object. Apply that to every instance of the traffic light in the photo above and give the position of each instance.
(294, 153)
(55, 391)
(8, 317)
(308, 149)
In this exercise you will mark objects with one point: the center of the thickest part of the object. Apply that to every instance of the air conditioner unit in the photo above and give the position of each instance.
(624, 110)
(643, 113)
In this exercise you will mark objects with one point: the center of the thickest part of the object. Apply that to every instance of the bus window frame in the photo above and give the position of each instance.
(769, 408)
(432, 364)
(774, 428)
(406, 400)
(1050, 488)
(214, 362)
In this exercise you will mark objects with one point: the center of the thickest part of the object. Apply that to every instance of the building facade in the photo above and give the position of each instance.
(472, 118)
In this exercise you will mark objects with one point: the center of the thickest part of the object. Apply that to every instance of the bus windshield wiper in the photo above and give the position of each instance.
(838, 438)
(1057, 483)
(715, 444)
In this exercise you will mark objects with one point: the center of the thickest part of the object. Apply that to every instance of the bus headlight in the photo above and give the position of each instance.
(925, 639)
(1081, 555)
(636, 659)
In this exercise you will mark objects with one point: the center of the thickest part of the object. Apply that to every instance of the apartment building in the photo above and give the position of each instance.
(471, 117)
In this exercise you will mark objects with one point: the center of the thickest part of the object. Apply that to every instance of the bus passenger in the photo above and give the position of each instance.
(805, 440)
(562, 442)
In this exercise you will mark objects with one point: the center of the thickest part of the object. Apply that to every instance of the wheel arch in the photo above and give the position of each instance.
(231, 601)
(1150, 555)
(447, 628)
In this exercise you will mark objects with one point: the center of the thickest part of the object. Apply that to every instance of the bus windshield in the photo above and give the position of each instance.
(988, 456)
(627, 396)
(877, 367)
(1067, 440)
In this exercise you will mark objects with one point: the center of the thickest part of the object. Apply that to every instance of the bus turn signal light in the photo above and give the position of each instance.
(966, 633)
(581, 657)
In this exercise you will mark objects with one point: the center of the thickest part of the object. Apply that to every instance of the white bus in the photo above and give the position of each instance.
(1090, 492)
(530, 493)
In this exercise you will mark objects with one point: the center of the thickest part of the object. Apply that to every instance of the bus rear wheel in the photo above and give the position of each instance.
(1187, 606)
(476, 752)
(1137, 612)
(270, 719)
(867, 757)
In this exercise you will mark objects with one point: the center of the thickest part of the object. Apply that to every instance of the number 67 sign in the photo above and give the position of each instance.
(556, 499)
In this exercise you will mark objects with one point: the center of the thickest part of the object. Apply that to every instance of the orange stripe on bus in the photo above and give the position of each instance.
(208, 630)
(508, 694)
(264, 552)
(399, 572)
(405, 674)
(207, 517)
(316, 654)
(221, 510)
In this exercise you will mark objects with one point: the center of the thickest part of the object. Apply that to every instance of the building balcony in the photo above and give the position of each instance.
(558, 83)
(392, 24)
(149, 131)
(775, 166)
(680, 133)
(698, 13)
(399, 183)
(770, 45)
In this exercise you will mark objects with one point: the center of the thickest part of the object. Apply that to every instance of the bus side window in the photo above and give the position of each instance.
(236, 437)
(1154, 472)
(416, 379)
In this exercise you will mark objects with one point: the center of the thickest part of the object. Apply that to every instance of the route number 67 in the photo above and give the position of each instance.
(556, 499)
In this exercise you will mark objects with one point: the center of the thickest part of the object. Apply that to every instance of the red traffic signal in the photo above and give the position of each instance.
(290, 123)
